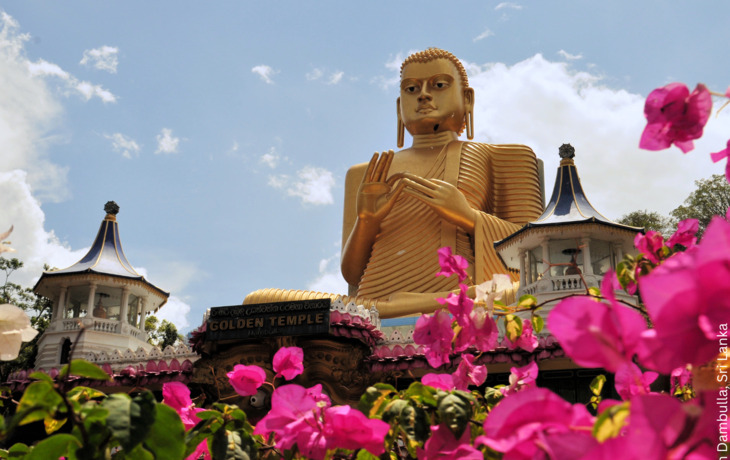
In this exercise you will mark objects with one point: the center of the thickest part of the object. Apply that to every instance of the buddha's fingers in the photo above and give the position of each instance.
(381, 170)
(417, 189)
(371, 168)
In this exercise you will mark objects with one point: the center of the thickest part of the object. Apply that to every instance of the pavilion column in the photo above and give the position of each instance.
(618, 249)
(143, 316)
(60, 306)
(546, 255)
(523, 272)
(587, 266)
(124, 307)
(90, 302)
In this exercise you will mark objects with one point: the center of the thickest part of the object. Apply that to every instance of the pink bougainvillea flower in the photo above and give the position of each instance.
(680, 376)
(177, 396)
(348, 428)
(519, 425)
(484, 331)
(443, 444)
(597, 334)
(521, 378)
(246, 380)
(439, 381)
(460, 305)
(649, 244)
(717, 156)
(527, 341)
(630, 381)
(435, 334)
(685, 234)
(468, 374)
(688, 298)
(452, 264)
(674, 116)
(660, 427)
(288, 362)
(294, 417)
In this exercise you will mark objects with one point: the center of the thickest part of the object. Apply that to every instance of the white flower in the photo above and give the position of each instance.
(14, 329)
(5, 247)
(492, 290)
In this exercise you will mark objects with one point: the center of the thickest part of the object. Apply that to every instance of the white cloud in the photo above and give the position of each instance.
(315, 74)
(34, 245)
(123, 144)
(544, 104)
(103, 58)
(330, 279)
(335, 78)
(570, 57)
(42, 68)
(312, 185)
(483, 35)
(166, 142)
(510, 5)
(393, 67)
(270, 159)
(265, 72)
(175, 311)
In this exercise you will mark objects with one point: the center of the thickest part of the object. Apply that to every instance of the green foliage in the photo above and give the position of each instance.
(711, 198)
(161, 334)
(596, 389)
(648, 220)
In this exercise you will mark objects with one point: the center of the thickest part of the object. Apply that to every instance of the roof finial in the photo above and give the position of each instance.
(566, 151)
(111, 209)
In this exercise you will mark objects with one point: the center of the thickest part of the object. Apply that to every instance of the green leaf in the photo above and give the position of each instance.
(421, 394)
(41, 376)
(608, 425)
(527, 301)
(363, 454)
(39, 400)
(372, 402)
(83, 394)
(512, 327)
(166, 437)
(594, 291)
(597, 384)
(18, 450)
(53, 447)
(205, 415)
(82, 368)
(130, 419)
(538, 323)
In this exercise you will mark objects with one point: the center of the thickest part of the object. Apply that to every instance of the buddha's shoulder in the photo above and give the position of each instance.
(497, 150)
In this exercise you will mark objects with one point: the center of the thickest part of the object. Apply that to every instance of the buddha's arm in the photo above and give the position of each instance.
(368, 199)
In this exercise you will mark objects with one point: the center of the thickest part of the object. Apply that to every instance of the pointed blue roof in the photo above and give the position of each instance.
(568, 204)
(105, 257)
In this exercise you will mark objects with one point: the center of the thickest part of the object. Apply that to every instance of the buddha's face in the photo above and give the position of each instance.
(432, 98)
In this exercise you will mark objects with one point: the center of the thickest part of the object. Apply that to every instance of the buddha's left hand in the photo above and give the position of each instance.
(443, 198)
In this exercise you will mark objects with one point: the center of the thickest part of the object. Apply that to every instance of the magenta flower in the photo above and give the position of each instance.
(688, 298)
(630, 381)
(521, 378)
(452, 264)
(439, 381)
(435, 333)
(246, 380)
(288, 362)
(348, 428)
(675, 116)
(177, 396)
(685, 234)
(717, 156)
(527, 341)
(649, 244)
(443, 444)
(460, 305)
(468, 374)
(520, 425)
(597, 334)
(294, 417)
(484, 331)
(680, 376)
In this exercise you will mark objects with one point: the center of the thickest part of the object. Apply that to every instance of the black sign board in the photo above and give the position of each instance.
(301, 317)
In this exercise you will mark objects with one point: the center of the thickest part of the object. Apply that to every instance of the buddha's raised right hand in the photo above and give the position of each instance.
(376, 196)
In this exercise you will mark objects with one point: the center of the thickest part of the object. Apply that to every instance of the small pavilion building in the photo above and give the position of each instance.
(101, 294)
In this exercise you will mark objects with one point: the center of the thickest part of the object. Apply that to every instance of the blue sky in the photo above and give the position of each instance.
(224, 130)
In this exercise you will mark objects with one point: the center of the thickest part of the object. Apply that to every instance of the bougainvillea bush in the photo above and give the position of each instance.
(679, 329)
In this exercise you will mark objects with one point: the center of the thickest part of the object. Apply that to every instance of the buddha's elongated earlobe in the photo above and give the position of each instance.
(401, 126)
(469, 115)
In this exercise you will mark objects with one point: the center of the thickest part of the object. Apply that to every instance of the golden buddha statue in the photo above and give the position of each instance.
(400, 208)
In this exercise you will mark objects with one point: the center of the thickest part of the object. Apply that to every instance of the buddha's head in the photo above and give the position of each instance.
(434, 94)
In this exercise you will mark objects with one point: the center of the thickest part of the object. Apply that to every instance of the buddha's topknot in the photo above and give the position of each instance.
(436, 53)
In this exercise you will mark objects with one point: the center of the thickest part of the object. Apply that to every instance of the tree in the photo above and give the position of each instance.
(711, 198)
(163, 335)
(37, 307)
(649, 220)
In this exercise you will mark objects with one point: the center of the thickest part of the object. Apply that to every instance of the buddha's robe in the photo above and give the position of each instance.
(501, 181)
